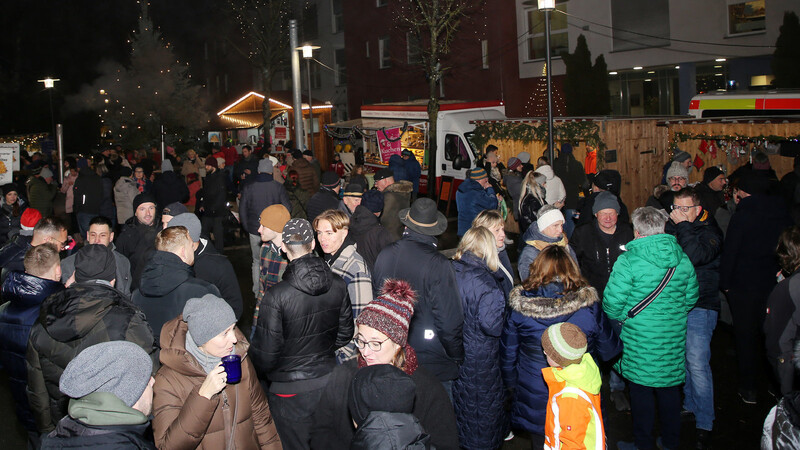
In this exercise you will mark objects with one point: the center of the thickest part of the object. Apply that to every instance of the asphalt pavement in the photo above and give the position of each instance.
(737, 425)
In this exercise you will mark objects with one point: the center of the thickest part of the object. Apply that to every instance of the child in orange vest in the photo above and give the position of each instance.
(573, 420)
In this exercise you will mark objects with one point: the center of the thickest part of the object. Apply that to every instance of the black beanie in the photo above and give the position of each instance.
(380, 387)
(711, 173)
(144, 197)
(95, 262)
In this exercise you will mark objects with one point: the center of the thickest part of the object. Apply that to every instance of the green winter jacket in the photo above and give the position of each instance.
(655, 340)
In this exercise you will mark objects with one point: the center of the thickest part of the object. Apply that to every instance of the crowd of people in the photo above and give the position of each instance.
(120, 318)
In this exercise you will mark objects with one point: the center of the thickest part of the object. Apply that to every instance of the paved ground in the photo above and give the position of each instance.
(738, 426)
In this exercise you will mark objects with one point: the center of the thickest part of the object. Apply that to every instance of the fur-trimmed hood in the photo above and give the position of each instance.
(402, 186)
(537, 307)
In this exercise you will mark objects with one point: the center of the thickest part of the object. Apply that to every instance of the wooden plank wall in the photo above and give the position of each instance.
(643, 148)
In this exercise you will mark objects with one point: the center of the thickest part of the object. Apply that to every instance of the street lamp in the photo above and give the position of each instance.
(546, 6)
(49, 83)
(308, 55)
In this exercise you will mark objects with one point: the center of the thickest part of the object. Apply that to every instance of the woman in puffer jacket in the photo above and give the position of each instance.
(478, 392)
(554, 292)
(193, 405)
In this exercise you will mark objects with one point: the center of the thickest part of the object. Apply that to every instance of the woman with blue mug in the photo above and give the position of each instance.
(197, 403)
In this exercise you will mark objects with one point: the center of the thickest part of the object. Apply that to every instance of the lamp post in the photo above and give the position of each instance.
(49, 83)
(308, 55)
(546, 6)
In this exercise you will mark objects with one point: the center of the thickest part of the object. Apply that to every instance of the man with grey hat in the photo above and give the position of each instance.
(209, 265)
(257, 194)
(90, 311)
(677, 179)
(297, 360)
(436, 328)
(111, 396)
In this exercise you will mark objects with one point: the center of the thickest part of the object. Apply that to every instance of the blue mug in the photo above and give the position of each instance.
(233, 368)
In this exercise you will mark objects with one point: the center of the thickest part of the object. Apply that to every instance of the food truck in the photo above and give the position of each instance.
(385, 129)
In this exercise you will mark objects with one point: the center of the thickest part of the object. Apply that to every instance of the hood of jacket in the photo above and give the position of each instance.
(660, 250)
(104, 409)
(173, 348)
(469, 185)
(585, 375)
(164, 272)
(401, 186)
(547, 171)
(546, 302)
(390, 431)
(72, 313)
(309, 274)
(263, 177)
(26, 291)
(362, 220)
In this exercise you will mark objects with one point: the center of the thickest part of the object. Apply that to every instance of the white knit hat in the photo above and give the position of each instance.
(549, 218)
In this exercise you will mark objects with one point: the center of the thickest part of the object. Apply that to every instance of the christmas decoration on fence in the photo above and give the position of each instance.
(567, 131)
(735, 145)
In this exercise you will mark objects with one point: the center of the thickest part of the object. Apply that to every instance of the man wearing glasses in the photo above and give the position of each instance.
(47, 231)
(701, 240)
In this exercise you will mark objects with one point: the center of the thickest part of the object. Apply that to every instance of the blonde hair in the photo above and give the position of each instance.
(488, 218)
(530, 185)
(40, 259)
(338, 219)
(172, 239)
(480, 242)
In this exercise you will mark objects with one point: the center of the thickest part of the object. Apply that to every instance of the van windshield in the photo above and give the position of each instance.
(472, 148)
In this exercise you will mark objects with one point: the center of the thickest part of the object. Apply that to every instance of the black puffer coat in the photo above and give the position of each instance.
(24, 295)
(211, 266)
(701, 240)
(435, 331)
(12, 254)
(258, 194)
(86, 314)
(390, 431)
(478, 392)
(302, 321)
(368, 234)
(9, 222)
(597, 252)
(215, 194)
(167, 284)
(88, 191)
(137, 242)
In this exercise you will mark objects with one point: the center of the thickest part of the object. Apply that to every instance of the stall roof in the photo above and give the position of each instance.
(246, 111)
(373, 124)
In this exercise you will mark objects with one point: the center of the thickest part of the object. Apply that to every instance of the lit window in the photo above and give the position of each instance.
(746, 17)
(559, 37)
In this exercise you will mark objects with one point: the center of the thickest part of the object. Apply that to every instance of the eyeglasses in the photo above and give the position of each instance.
(375, 346)
(683, 208)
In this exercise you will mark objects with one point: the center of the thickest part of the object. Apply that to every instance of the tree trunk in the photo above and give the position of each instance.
(433, 114)
(266, 108)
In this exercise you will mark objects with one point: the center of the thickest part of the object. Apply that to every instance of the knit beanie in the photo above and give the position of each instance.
(27, 222)
(174, 209)
(391, 312)
(121, 368)
(380, 387)
(299, 227)
(190, 222)
(477, 173)
(274, 217)
(308, 153)
(297, 154)
(212, 161)
(525, 157)
(564, 343)
(10, 187)
(549, 218)
(329, 179)
(711, 173)
(372, 200)
(677, 170)
(513, 163)
(207, 317)
(681, 156)
(566, 147)
(166, 166)
(145, 197)
(95, 262)
(605, 200)
(265, 166)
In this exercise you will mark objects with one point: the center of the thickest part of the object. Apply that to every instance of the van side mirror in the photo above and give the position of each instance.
(457, 162)
(466, 164)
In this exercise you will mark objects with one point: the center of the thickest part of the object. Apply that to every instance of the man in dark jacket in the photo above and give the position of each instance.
(710, 189)
(436, 328)
(747, 271)
(298, 360)
(701, 240)
(246, 168)
(111, 392)
(598, 245)
(396, 196)
(168, 281)
(327, 197)
(474, 195)
(87, 313)
(263, 191)
(366, 229)
(41, 190)
(88, 194)
(48, 230)
(605, 180)
(571, 172)
(413, 169)
(24, 294)
(137, 239)
(214, 203)
(170, 187)
(210, 265)
(101, 232)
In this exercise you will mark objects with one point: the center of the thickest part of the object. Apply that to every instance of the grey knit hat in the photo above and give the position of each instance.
(676, 169)
(121, 368)
(207, 317)
(166, 166)
(604, 200)
(190, 221)
(265, 166)
(681, 156)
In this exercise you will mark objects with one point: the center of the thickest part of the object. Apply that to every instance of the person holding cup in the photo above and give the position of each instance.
(207, 394)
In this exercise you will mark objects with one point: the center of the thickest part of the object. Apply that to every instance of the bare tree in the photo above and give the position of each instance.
(434, 24)
(265, 30)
